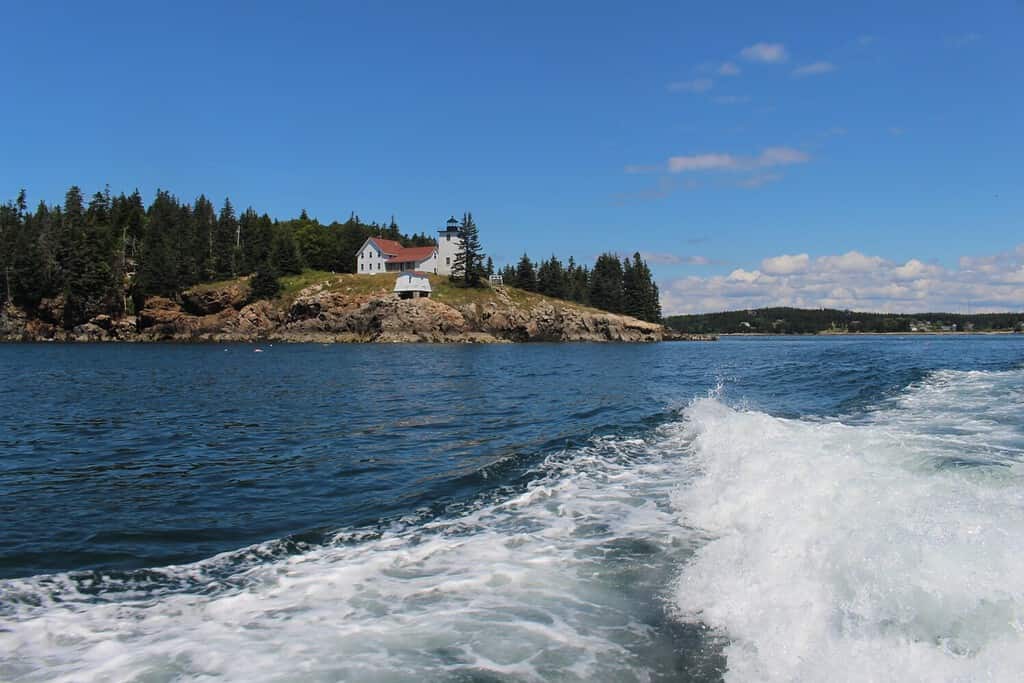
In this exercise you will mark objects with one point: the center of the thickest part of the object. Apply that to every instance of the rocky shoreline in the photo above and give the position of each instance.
(329, 312)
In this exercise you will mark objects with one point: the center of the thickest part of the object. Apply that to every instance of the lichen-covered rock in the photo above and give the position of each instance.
(89, 332)
(13, 323)
(51, 310)
(322, 313)
(163, 319)
(207, 299)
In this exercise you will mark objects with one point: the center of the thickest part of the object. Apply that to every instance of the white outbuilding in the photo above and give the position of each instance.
(412, 285)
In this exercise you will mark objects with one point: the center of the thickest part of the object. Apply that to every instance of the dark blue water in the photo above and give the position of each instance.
(119, 458)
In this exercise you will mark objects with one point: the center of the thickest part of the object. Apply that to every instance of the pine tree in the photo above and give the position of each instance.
(526, 276)
(284, 253)
(256, 239)
(633, 289)
(650, 308)
(606, 284)
(489, 268)
(205, 231)
(158, 262)
(264, 283)
(225, 242)
(551, 279)
(578, 284)
(468, 265)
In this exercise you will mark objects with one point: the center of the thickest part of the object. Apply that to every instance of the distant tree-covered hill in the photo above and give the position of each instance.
(813, 321)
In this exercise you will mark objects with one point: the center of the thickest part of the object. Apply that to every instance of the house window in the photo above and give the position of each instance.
(447, 260)
(371, 265)
(447, 238)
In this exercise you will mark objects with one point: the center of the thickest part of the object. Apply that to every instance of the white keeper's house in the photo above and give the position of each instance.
(378, 255)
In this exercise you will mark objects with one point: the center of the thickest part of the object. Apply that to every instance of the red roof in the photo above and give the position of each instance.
(396, 253)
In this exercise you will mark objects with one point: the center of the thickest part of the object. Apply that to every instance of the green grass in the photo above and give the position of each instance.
(444, 291)
(291, 285)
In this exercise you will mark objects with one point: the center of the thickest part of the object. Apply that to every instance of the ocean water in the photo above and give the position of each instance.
(772, 509)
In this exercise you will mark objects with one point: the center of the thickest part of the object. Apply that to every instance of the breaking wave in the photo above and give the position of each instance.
(885, 547)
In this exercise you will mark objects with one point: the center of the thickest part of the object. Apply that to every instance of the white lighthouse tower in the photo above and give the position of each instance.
(449, 243)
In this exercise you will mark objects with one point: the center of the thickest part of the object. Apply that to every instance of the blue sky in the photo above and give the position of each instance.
(712, 137)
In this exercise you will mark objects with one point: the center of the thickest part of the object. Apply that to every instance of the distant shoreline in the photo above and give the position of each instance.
(871, 334)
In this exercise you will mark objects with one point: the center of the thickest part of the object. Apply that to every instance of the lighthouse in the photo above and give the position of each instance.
(449, 243)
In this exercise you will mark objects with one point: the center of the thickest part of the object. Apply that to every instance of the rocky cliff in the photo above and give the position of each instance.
(344, 308)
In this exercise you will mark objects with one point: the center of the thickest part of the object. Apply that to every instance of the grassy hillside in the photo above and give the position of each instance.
(443, 290)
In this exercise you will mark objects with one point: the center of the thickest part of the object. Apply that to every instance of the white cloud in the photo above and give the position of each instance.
(914, 270)
(813, 69)
(851, 262)
(728, 69)
(740, 275)
(697, 85)
(768, 53)
(857, 281)
(782, 156)
(719, 161)
(786, 264)
(675, 259)
(702, 162)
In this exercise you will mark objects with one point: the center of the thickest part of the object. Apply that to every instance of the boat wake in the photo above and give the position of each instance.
(884, 548)
(724, 542)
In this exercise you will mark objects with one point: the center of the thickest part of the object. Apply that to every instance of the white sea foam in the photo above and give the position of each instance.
(542, 586)
(889, 549)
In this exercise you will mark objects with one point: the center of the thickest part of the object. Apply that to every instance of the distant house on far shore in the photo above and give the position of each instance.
(412, 285)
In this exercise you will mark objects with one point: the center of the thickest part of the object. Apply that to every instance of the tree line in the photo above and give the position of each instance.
(811, 321)
(620, 286)
(106, 254)
(109, 253)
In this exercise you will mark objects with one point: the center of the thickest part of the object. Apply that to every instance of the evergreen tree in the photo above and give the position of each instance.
(264, 283)
(489, 268)
(526, 276)
(226, 241)
(633, 289)
(257, 235)
(205, 231)
(606, 284)
(158, 261)
(649, 305)
(284, 252)
(467, 267)
(578, 282)
(28, 275)
(551, 279)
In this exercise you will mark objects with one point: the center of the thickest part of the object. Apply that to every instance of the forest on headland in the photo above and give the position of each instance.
(829, 320)
(106, 254)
